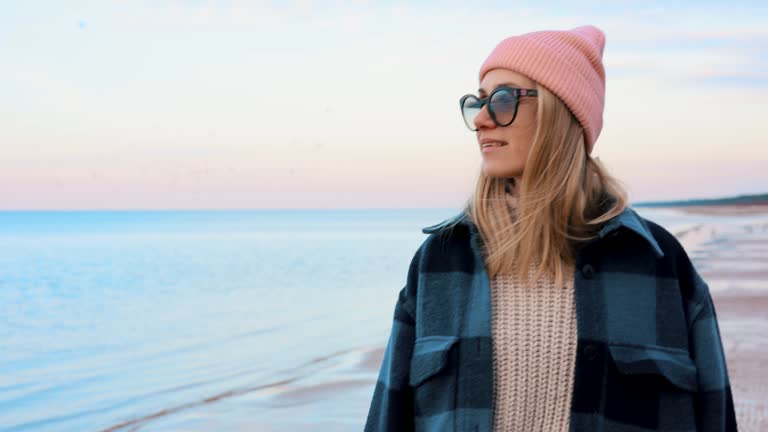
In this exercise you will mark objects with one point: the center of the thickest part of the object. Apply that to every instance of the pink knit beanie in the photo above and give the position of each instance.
(567, 62)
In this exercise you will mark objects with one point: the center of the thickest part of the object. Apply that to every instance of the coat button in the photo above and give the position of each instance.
(588, 271)
(590, 351)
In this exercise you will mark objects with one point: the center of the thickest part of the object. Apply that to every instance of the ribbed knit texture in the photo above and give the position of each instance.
(534, 351)
(567, 62)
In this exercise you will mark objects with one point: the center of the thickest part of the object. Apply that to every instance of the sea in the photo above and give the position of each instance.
(252, 320)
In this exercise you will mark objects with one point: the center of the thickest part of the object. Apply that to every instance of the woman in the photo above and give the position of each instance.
(548, 304)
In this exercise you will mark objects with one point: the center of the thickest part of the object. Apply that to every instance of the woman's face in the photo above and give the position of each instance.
(509, 159)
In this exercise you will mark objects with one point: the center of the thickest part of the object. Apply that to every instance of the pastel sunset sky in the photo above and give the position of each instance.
(148, 104)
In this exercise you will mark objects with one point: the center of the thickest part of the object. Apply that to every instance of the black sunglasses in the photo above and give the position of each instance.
(502, 105)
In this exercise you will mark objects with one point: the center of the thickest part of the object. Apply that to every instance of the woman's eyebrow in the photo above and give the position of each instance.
(509, 84)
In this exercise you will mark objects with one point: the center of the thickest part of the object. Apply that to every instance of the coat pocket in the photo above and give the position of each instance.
(434, 381)
(430, 356)
(674, 365)
(650, 387)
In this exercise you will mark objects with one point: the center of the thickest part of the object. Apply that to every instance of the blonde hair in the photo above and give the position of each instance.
(561, 200)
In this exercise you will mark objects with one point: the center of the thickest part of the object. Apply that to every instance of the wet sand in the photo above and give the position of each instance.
(743, 320)
(733, 260)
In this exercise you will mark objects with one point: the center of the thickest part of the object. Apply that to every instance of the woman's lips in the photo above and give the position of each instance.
(489, 146)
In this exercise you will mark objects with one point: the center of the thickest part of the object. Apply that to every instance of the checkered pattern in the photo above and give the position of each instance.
(649, 354)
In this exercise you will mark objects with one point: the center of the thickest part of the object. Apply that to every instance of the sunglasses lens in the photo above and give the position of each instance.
(504, 105)
(469, 109)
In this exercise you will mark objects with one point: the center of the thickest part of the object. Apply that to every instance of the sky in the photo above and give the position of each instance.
(156, 104)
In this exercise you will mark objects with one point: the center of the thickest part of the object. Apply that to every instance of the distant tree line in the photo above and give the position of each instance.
(737, 200)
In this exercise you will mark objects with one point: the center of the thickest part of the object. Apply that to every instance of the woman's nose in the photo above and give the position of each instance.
(483, 119)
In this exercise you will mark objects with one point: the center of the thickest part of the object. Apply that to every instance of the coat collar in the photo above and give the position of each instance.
(627, 218)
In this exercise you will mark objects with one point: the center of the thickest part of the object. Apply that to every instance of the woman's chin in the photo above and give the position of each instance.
(493, 170)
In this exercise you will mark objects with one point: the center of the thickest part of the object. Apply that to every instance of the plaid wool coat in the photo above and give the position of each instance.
(649, 355)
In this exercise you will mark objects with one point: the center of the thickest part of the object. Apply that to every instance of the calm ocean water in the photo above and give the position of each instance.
(205, 321)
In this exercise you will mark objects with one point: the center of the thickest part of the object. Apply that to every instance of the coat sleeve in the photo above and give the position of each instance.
(714, 401)
(391, 407)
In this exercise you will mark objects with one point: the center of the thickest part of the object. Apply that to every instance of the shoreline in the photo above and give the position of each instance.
(718, 209)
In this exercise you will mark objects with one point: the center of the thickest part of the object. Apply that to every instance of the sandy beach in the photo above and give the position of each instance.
(726, 210)
(733, 260)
